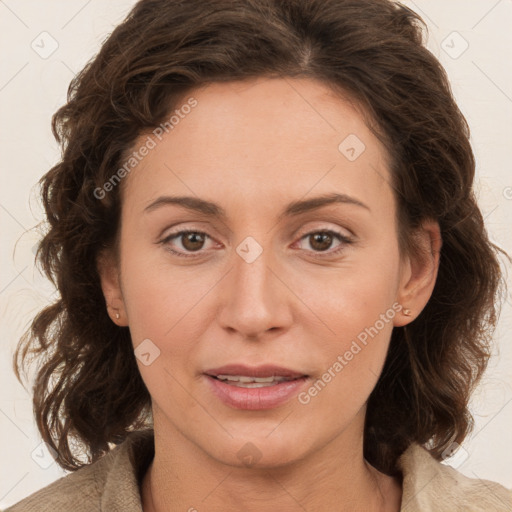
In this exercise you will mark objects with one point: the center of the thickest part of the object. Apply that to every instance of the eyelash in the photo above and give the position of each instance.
(342, 238)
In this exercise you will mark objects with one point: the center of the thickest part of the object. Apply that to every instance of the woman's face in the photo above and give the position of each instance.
(261, 283)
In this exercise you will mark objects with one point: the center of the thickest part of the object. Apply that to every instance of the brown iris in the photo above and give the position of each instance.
(320, 241)
(192, 241)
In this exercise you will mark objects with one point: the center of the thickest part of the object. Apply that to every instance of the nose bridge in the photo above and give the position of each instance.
(254, 298)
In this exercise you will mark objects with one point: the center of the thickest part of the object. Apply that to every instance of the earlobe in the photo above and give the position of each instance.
(419, 273)
(110, 285)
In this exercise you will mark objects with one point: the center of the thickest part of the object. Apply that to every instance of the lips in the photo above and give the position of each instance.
(254, 388)
(264, 371)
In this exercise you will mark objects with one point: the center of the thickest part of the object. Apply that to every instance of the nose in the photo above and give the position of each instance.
(254, 297)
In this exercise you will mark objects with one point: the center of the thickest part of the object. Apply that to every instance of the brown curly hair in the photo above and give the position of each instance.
(88, 388)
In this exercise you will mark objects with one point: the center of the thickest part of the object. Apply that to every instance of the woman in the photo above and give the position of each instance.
(277, 290)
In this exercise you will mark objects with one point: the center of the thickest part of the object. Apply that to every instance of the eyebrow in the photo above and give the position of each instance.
(293, 209)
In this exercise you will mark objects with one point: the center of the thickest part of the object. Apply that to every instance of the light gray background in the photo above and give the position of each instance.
(473, 40)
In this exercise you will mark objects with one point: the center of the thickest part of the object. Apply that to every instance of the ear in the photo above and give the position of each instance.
(419, 272)
(110, 284)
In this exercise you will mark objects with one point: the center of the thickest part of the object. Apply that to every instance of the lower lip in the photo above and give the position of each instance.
(254, 399)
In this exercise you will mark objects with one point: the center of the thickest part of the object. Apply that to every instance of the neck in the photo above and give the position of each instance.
(336, 477)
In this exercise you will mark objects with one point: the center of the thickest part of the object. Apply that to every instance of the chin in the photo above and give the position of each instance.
(260, 450)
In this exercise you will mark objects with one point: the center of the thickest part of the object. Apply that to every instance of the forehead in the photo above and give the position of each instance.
(287, 136)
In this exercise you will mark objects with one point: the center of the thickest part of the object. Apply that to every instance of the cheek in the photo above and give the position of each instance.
(352, 358)
(355, 314)
(348, 299)
(166, 306)
(162, 299)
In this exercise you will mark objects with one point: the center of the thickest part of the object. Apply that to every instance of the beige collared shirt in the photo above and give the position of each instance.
(112, 484)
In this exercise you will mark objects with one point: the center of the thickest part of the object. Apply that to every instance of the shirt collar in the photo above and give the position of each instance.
(427, 484)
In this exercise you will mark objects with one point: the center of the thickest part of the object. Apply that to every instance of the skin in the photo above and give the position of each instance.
(253, 147)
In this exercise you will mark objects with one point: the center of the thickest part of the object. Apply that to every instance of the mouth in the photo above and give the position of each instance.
(244, 381)
(254, 376)
(261, 387)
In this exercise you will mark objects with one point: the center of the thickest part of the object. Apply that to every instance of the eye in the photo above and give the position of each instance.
(322, 240)
(191, 241)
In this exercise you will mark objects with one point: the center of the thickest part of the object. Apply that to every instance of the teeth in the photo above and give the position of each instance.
(244, 378)
(251, 382)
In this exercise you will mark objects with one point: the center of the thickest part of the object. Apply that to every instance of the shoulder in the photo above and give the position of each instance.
(110, 483)
(428, 485)
(70, 492)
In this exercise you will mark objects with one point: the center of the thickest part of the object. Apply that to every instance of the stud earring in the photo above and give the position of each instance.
(407, 312)
(118, 316)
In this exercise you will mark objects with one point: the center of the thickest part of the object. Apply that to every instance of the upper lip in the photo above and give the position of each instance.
(254, 371)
